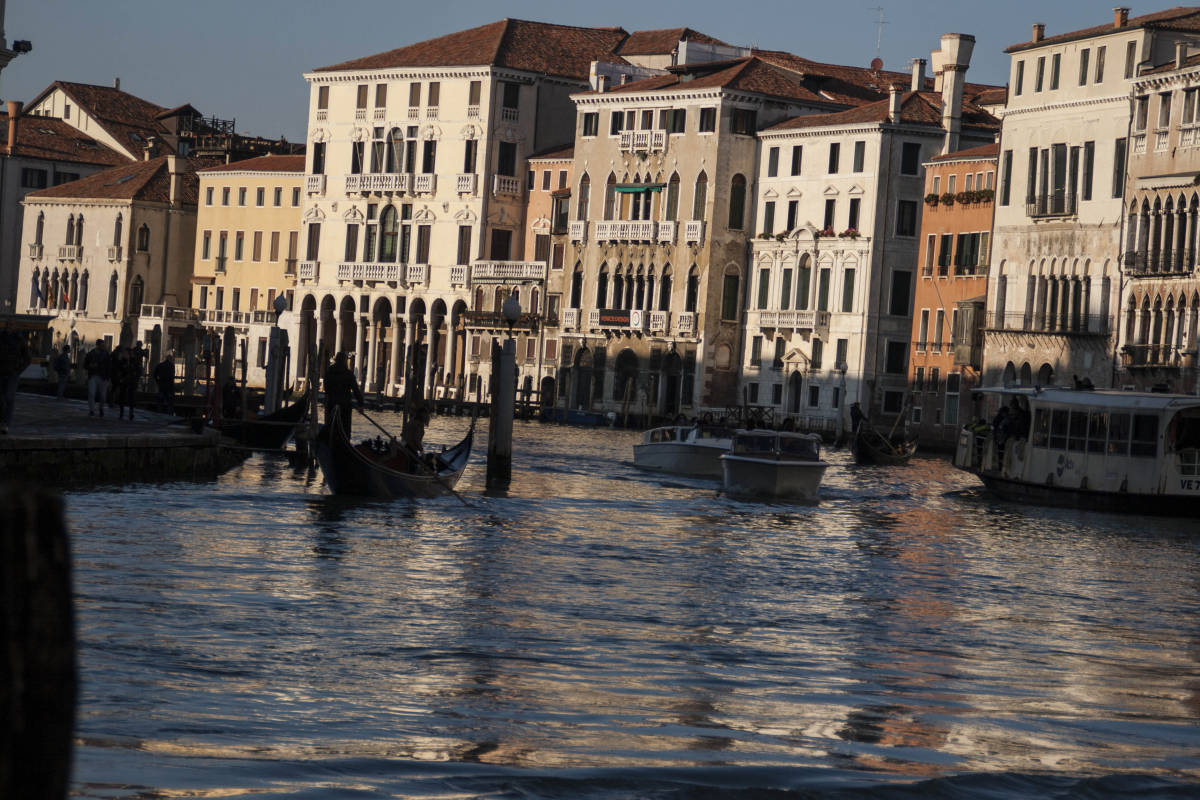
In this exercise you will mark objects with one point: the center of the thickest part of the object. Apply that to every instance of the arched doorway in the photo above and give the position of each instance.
(546, 394)
(1026, 375)
(1010, 374)
(672, 370)
(1045, 375)
(624, 388)
(582, 375)
(794, 389)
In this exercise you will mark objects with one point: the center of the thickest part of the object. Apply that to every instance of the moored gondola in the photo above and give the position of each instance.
(387, 469)
(268, 432)
(872, 447)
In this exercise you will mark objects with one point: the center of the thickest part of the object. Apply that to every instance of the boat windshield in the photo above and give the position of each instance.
(755, 444)
(1183, 436)
(713, 432)
(800, 447)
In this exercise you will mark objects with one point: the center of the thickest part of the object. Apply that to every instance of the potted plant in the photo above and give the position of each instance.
(984, 195)
(932, 199)
(826, 232)
(849, 233)
(964, 197)
(948, 198)
(779, 237)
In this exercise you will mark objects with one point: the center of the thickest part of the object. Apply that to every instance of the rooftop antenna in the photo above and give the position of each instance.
(879, 35)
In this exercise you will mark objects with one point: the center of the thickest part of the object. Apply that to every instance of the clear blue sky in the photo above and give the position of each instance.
(244, 60)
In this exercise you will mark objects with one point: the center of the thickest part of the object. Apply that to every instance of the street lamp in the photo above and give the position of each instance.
(511, 312)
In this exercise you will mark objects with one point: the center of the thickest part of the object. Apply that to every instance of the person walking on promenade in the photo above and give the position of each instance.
(62, 368)
(124, 378)
(14, 358)
(97, 363)
(164, 377)
(340, 389)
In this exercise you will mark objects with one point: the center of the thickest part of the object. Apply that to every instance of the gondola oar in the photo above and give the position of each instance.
(417, 460)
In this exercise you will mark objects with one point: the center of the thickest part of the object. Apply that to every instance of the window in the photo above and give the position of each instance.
(769, 217)
(225, 196)
(464, 244)
(256, 247)
(901, 289)
(361, 101)
(860, 156)
(834, 151)
(239, 245)
(764, 286)
(744, 121)
(318, 163)
(1019, 81)
(423, 233)
(830, 210)
(945, 251)
(785, 290)
(435, 94)
(1055, 63)
(841, 353)
(803, 279)
(1084, 55)
(1130, 59)
(793, 210)
(314, 242)
(773, 162)
(470, 154)
(220, 298)
(274, 246)
(729, 298)
(506, 163)
(676, 120)
(815, 356)
(380, 95)
(923, 331)
(278, 199)
(823, 290)
(672, 209)
(814, 392)
(1041, 74)
(512, 95)
(1188, 115)
(1100, 64)
(429, 157)
(910, 158)
(1164, 110)
(1118, 181)
(260, 197)
(143, 236)
(1005, 177)
(545, 180)
(848, 291)
(414, 95)
(206, 246)
(855, 204)
(700, 197)
(615, 123)
(296, 197)
(474, 91)
(896, 358)
(322, 97)
(797, 158)
(356, 157)
(591, 123)
(906, 218)
(208, 196)
(708, 120)
(1089, 165)
(939, 326)
(236, 304)
(755, 351)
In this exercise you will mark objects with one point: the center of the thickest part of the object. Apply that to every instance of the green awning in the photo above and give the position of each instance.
(633, 188)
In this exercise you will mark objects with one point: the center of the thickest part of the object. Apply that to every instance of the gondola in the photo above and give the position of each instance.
(268, 432)
(375, 468)
(872, 447)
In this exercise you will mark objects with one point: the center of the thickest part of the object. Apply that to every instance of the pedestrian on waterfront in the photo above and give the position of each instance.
(97, 364)
(62, 368)
(139, 355)
(340, 390)
(14, 358)
(125, 379)
(164, 377)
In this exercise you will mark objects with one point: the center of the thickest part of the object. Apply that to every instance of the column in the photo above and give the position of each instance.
(410, 334)
(321, 320)
(1143, 238)
(372, 377)
(452, 349)
(431, 325)
(395, 368)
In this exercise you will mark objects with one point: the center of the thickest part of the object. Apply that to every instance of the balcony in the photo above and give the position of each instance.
(639, 320)
(69, 252)
(660, 321)
(416, 274)
(289, 266)
(577, 230)
(570, 319)
(35, 251)
(424, 183)
(1162, 139)
(501, 271)
(685, 323)
(164, 312)
(1164, 264)
(431, 112)
(1059, 204)
(360, 114)
(322, 115)
(1139, 143)
(380, 114)
(510, 114)
(369, 272)
(309, 270)
(643, 141)
(666, 232)
(795, 319)
(593, 319)
(398, 182)
(473, 112)
(506, 184)
(1155, 355)
(1051, 324)
(466, 182)
(693, 232)
(114, 252)
(625, 231)
(496, 320)
(221, 261)
(314, 184)
(1189, 135)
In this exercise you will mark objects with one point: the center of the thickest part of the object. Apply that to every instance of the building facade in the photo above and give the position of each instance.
(951, 293)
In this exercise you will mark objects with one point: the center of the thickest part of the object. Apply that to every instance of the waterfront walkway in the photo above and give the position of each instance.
(56, 441)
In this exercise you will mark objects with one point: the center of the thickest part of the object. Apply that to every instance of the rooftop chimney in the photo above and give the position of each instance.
(176, 188)
(1039, 31)
(117, 84)
(602, 83)
(14, 111)
(150, 150)
(918, 74)
(1181, 54)
(894, 97)
(1120, 17)
(956, 57)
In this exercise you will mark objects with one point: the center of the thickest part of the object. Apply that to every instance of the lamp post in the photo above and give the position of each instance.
(504, 385)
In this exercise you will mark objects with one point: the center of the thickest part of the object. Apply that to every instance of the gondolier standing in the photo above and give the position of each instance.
(857, 417)
(340, 390)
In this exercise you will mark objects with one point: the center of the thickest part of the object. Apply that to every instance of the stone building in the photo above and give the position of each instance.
(415, 176)
(949, 302)
(1054, 289)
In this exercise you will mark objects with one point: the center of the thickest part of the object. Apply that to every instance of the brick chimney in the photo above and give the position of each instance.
(895, 95)
(1120, 17)
(176, 188)
(150, 149)
(1039, 31)
(1181, 54)
(14, 111)
(955, 53)
(918, 75)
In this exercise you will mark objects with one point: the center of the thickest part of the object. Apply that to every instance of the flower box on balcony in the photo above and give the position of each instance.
(948, 198)
(932, 199)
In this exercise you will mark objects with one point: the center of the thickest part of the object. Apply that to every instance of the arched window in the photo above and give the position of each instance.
(585, 188)
(737, 202)
(395, 149)
(629, 281)
(803, 282)
(649, 304)
(75, 290)
(55, 292)
(136, 290)
(479, 299)
(117, 231)
(1144, 325)
(112, 293)
(143, 238)
(618, 292)
(672, 211)
(664, 290)
(39, 228)
(700, 197)
(389, 229)
(577, 285)
(45, 298)
(33, 288)
(534, 299)
(498, 300)
(79, 231)
(639, 283)
(602, 287)
(610, 196)
(70, 230)
(693, 290)
(83, 291)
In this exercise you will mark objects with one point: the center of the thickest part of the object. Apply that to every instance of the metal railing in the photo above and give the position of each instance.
(1059, 204)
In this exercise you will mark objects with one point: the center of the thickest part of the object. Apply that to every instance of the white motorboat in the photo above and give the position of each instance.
(774, 464)
(683, 449)
(1094, 449)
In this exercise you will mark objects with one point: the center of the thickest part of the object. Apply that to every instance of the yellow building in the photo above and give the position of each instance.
(247, 241)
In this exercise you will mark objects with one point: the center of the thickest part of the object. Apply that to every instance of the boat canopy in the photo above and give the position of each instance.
(1098, 398)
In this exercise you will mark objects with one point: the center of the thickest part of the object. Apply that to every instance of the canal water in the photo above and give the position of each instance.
(600, 632)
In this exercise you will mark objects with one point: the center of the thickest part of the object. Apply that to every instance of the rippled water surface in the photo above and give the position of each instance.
(601, 632)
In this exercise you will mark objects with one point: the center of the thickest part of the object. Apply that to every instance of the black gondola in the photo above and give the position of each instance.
(268, 432)
(872, 447)
(375, 468)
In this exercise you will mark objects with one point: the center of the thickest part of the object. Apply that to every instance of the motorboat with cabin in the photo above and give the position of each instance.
(1095, 449)
(683, 449)
(780, 464)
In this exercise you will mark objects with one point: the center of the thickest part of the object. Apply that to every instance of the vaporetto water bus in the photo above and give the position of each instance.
(1094, 449)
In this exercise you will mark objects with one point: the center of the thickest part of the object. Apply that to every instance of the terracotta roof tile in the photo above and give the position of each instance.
(642, 43)
(517, 44)
(744, 74)
(982, 152)
(55, 140)
(268, 163)
(127, 118)
(919, 108)
(557, 153)
(140, 180)
(1179, 18)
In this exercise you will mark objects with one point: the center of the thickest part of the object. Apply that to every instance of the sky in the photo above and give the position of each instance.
(245, 59)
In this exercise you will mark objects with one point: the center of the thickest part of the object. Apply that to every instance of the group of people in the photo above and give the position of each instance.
(119, 371)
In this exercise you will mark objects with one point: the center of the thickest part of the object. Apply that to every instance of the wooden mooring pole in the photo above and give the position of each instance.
(37, 671)
(504, 387)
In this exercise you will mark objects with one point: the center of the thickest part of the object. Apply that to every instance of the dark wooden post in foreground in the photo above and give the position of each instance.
(37, 663)
(504, 385)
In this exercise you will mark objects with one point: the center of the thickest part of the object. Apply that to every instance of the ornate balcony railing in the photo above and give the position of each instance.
(424, 183)
(314, 184)
(493, 271)
(577, 230)
(431, 112)
(1162, 139)
(69, 252)
(458, 275)
(570, 319)
(416, 274)
(465, 182)
(593, 319)
(506, 184)
(1139, 143)
(473, 112)
(322, 114)
(625, 231)
(643, 141)
(685, 323)
(360, 113)
(660, 321)
(114, 252)
(164, 312)
(379, 182)
(1051, 323)
(370, 272)
(1155, 355)
(35, 251)
(380, 114)
(693, 232)
(666, 232)
(1059, 204)
(794, 319)
(308, 270)
(1164, 264)
(1189, 135)
(510, 114)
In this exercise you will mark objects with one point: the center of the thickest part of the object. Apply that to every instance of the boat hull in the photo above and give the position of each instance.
(746, 476)
(270, 432)
(875, 450)
(1087, 500)
(681, 458)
